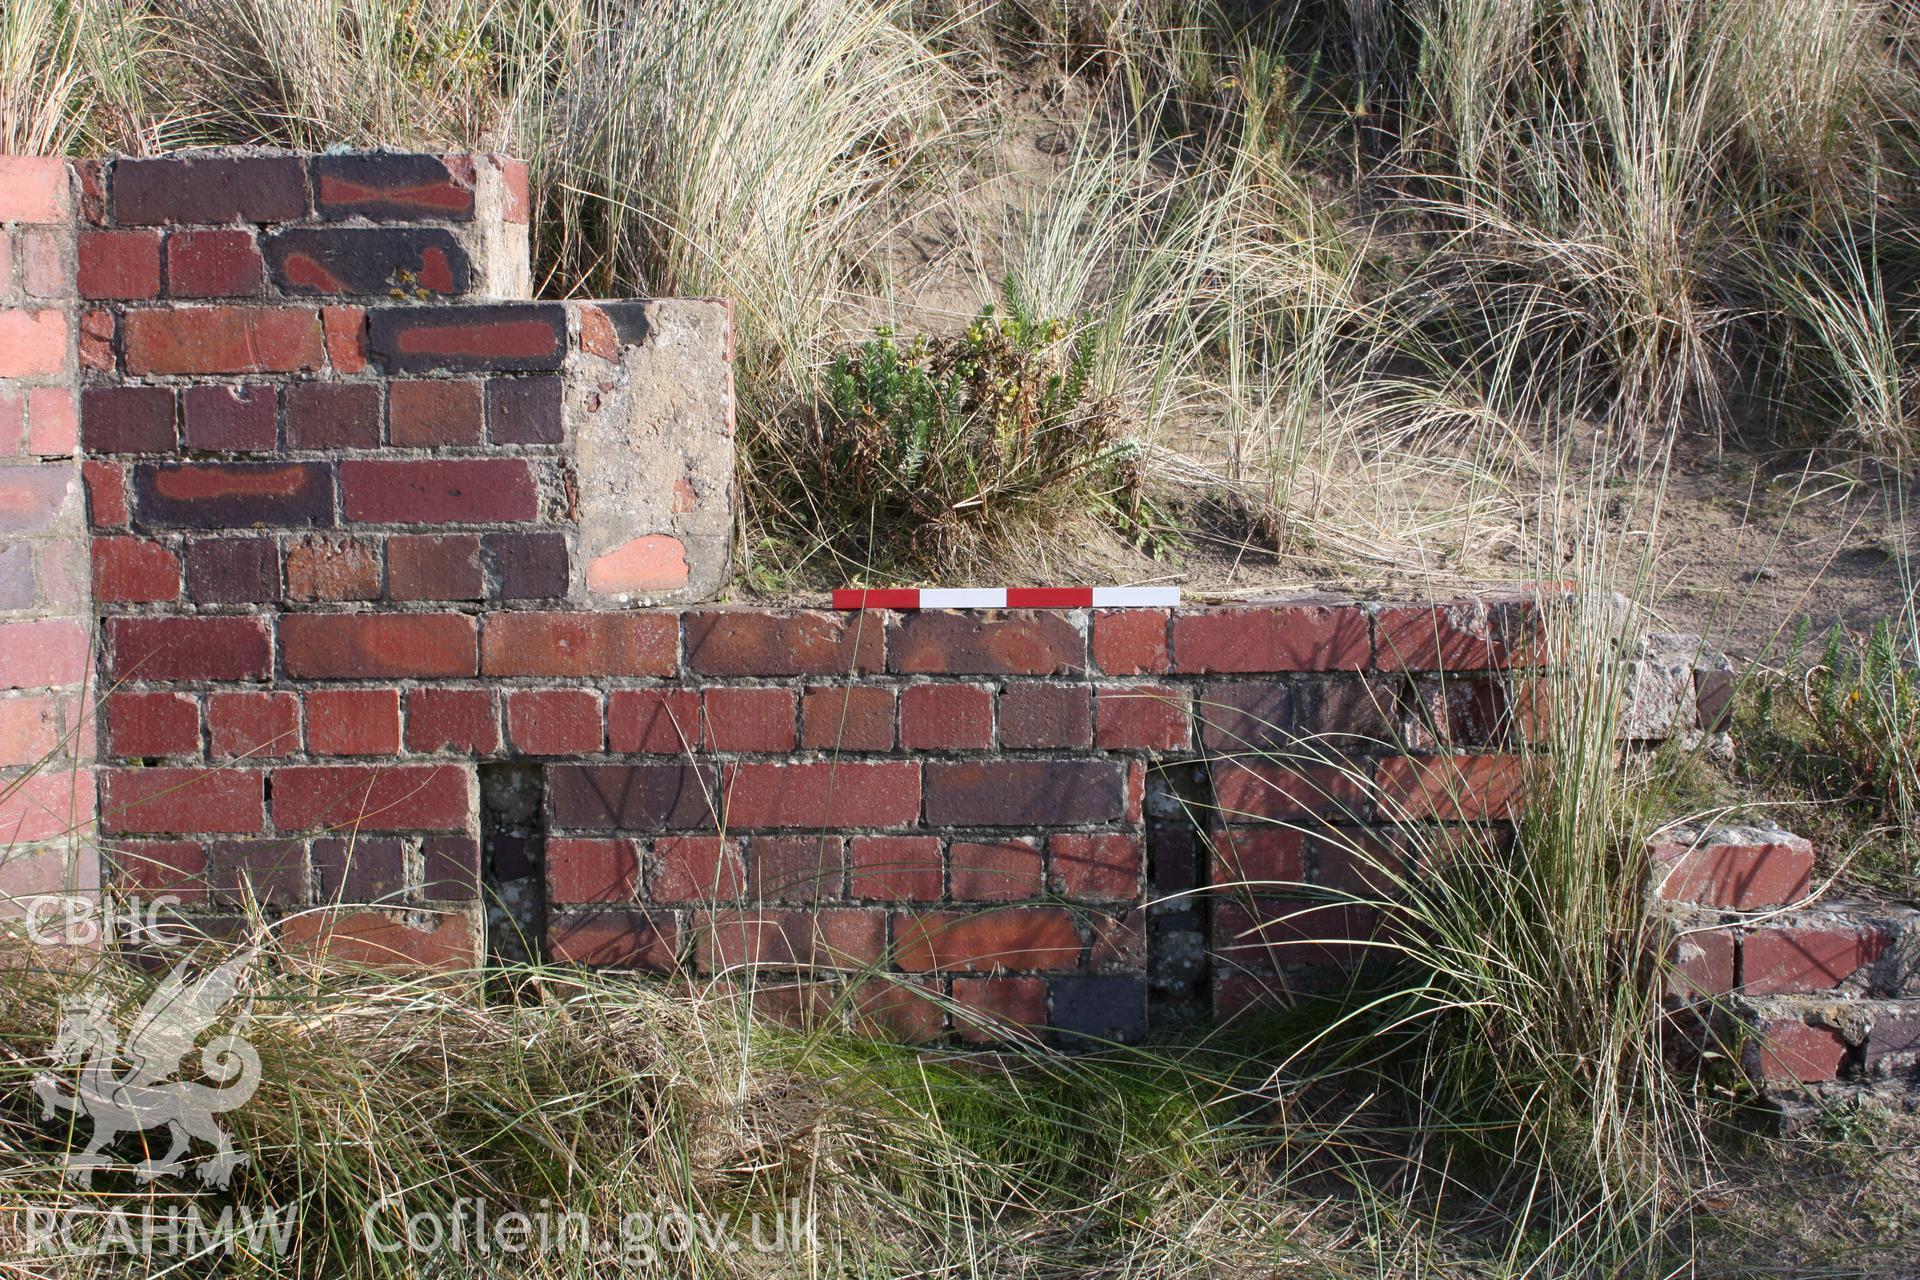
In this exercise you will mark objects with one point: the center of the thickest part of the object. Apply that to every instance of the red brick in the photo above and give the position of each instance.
(353, 722)
(322, 568)
(153, 867)
(1262, 859)
(691, 869)
(827, 794)
(43, 267)
(632, 797)
(831, 937)
(932, 642)
(33, 344)
(440, 491)
(1017, 938)
(29, 729)
(372, 939)
(188, 648)
(223, 339)
(1703, 964)
(1096, 866)
(16, 573)
(106, 494)
(1130, 642)
(1464, 635)
(49, 805)
(233, 570)
(32, 496)
(1008, 793)
(152, 724)
(253, 724)
(435, 567)
(95, 344)
(616, 940)
(431, 414)
(1789, 959)
(584, 870)
(389, 186)
(359, 646)
(897, 868)
(847, 718)
(183, 800)
(579, 644)
(346, 333)
(332, 415)
(1142, 718)
(1287, 637)
(995, 872)
(214, 264)
(127, 419)
(555, 722)
(1791, 1052)
(463, 721)
(946, 717)
(43, 653)
(1281, 932)
(1245, 790)
(750, 719)
(1741, 868)
(118, 264)
(796, 868)
(231, 419)
(134, 571)
(654, 721)
(725, 642)
(209, 189)
(421, 797)
(1373, 862)
(53, 422)
(516, 200)
(34, 189)
(995, 1010)
(499, 337)
(1451, 788)
(898, 1009)
(1046, 716)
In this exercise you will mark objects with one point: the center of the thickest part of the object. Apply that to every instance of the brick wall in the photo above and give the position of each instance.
(397, 578)
(46, 726)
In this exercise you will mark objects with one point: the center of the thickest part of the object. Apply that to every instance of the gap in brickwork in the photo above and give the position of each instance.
(513, 841)
(1178, 974)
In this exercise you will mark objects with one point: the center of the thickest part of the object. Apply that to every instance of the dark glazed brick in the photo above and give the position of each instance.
(367, 869)
(525, 566)
(440, 491)
(1099, 1009)
(416, 263)
(1046, 715)
(451, 868)
(233, 495)
(233, 570)
(389, 186)
(1246, 717)
(240, 419)
(209, 189)
(273, 872)
(524, 411)
(127, 420)
(637, 797)
(504, 337)
(1043, 793)
(327, 415)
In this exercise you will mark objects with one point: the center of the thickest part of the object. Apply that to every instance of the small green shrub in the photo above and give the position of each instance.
(929, 454)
